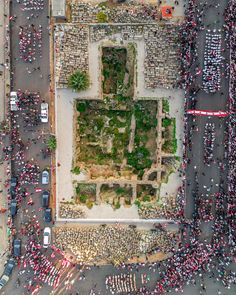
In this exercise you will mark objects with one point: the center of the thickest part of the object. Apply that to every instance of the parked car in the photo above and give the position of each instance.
(7, 272)
(46, 237)
(14, 101)
(48, 215)
(13, 184)
(13, 207)
(13, 181)
(17, 247)
(44, 112)
(45, 177)
(45, 199)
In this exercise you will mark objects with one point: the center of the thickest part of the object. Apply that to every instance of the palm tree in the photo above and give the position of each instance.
(78, 81)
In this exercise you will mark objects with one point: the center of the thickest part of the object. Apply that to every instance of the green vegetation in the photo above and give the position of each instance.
(102, 17)
(105, 133)
(139, 159)
(85, 194)
(81, 106)
(78, 81)
(117, 205)
(166, 122)
(146, 193)
(76, 170)
(114, 69)
(83, 198)
(146, 198)
(165, 106)
(144, 119)
(52, 143)
(120, 191)
(170, 144)
(137, 203)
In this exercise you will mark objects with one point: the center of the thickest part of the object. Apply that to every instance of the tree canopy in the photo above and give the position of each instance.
(78, 81)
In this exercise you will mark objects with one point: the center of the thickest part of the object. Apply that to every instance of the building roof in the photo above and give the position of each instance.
(59, 8)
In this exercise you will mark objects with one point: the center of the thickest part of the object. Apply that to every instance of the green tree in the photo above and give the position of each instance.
(83, 198)
(52, 143)
(78, 81)
(102, 17)
(81, 106)
(76, 170)
(139, 158)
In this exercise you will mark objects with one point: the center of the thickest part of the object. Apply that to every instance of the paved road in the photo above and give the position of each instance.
(213, 18)
(33, 82)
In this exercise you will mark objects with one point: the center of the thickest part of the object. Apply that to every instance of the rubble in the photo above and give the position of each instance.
(70, 211)
(71, 50)
(111, 243)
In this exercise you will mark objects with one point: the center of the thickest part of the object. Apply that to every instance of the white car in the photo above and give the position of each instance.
(44, 112)
(14, 100)
(45, 177)
(46, 237)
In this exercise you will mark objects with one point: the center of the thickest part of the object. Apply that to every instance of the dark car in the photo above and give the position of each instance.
(17, 247)
(13, 192)
(13, 207)
(13, 182)
(45, 199)
(7, 272)
(48, 215)
(9, 267)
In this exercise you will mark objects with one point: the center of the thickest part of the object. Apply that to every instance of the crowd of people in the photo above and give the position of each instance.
(212, 62)
(31, 5)
(44, 269)
(208, 142)
(30, 42)
(112, 243)
(230, 28)
(193, 257)
(121, 283)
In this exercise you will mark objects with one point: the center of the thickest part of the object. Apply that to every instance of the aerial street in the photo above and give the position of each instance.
(117, 147)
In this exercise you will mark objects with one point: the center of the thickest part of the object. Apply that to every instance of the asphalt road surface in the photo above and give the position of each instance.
(95, 277)
(213, 19)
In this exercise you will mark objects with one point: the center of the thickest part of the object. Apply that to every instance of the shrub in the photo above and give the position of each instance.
(146, 198)
(83, 198)
(102, 17)
(139, 158)
(137, 203)
(89, 204)
(117, 205)
(165, 106)
(166, 122)
(120, 190)
(52, 143)
(81, 106)
(76, 170)
(78, 81)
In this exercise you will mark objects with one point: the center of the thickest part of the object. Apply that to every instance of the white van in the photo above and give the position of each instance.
(44, 112)
(14, 101)
(46, 237)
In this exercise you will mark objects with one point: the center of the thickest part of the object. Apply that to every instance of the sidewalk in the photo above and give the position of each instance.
(4, 80)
